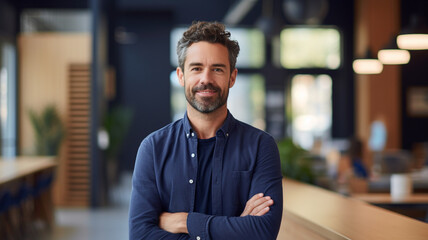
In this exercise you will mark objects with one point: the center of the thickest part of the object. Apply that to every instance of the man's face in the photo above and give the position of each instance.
(206, 77)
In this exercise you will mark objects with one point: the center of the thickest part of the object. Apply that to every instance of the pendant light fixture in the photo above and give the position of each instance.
(392, 55)
(367, 65)
(415, 36)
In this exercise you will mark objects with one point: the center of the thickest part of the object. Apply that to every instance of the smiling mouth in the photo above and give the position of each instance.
(206, 93)
(206, 90)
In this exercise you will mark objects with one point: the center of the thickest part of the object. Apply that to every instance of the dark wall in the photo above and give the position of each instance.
(414, 74)
(8, 21)
(58, 4)
(183, 11)
(143, 76)
(341, 14)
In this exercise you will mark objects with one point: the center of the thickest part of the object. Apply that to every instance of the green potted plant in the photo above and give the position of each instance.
(295, 161)
(116, 122)
(48, 131)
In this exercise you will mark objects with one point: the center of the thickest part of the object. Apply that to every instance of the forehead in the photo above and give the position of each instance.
(207, 53)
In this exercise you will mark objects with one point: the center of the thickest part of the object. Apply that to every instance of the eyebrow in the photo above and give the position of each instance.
(200, 64)
(195, 64)
(219, 65)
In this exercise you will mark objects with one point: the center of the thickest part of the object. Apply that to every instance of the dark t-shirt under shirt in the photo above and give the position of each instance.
(203, 184)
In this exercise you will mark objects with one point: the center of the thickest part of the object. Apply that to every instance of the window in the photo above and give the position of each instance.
(247, 100)
(310, 47)
(7, 100)
(311, 108)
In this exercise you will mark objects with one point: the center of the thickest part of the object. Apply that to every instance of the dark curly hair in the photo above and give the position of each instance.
(212, 32)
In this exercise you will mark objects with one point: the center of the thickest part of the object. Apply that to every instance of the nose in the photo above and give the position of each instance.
(205, 77)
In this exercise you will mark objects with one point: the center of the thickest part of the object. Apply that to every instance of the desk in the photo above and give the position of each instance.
(14, 172)
(385, 198)
(415, 205)
(311, 212)
(381, 184)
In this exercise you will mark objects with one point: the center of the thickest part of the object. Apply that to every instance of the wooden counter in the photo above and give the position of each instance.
(13, 169)
(28, 171)
(314, 213)
(385, 198)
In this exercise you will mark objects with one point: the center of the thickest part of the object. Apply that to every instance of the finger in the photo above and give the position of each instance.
(255, 197)
(261, 207)
(257, 205)
(250, 205)
(263, 211)
(260, 201)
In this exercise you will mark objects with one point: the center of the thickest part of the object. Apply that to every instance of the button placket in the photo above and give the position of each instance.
(191, 177)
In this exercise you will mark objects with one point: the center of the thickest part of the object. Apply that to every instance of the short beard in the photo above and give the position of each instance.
(207, 105)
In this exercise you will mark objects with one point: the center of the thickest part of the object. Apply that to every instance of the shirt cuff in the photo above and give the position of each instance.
(197, 225)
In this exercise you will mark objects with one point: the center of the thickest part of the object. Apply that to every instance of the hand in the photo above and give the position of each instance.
(257, 205)
(174, 222)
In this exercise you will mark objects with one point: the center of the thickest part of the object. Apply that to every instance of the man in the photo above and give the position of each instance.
(208, 175)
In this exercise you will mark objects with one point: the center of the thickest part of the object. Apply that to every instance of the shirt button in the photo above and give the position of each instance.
(227, 134)
(193, 155)
(193, 134)
(198, 238)
(187, 135)
(191, 181)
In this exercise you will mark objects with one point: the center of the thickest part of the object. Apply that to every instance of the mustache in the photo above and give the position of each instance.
(208, 86)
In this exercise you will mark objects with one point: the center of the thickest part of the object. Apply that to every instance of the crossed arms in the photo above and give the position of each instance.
(151, 217)
(258, 205)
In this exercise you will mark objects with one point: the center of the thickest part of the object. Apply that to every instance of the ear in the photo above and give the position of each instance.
(233, 77)
(180, 76)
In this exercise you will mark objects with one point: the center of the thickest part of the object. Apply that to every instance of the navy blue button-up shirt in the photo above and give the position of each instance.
(245, 162)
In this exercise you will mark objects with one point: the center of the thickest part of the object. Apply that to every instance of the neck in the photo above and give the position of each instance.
(206, 124)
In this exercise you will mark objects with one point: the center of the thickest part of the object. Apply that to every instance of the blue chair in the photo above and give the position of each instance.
(42, 183)
(6, 228)
(5, 201)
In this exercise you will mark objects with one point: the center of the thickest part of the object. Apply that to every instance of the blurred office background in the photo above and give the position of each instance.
(107, 68)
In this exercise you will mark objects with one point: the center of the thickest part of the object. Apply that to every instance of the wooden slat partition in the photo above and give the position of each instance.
(77, 165)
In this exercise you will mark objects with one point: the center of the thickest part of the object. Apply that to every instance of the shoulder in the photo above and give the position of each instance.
(251, 132)
(164, 133)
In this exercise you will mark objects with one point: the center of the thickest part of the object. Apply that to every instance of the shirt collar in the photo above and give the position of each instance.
(225, 129)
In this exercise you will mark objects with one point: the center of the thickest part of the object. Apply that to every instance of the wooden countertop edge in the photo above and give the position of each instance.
(321, 230)
(385, 198)
(41, 164)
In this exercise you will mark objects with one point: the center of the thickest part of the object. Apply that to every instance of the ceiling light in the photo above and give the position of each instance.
(392, 55)
(415, 36)
(367, 65)
(413, 41)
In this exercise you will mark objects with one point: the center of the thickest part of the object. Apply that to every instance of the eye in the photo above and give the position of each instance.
(195, 69)
(218, 70)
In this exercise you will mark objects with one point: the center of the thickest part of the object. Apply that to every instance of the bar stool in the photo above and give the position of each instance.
(41, 200)
(23, 201)
(7, 229)
(42, 183)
